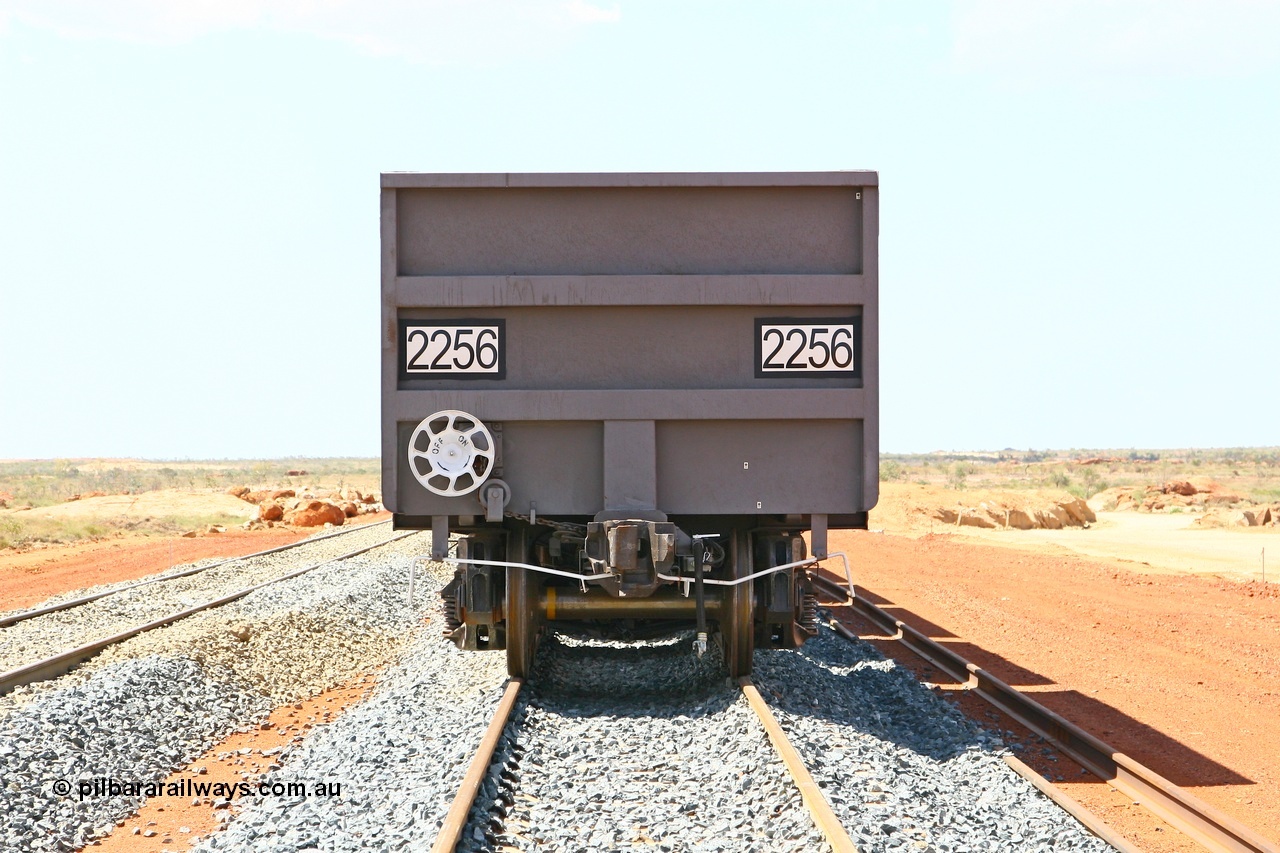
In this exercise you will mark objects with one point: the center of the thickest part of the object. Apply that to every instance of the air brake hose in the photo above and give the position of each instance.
(699, 598)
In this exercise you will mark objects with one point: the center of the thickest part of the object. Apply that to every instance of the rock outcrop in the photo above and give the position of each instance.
(1265, 515)
(270, 511)
(1004, 514)
(261, 495)
(315, 514)
(1196, 492)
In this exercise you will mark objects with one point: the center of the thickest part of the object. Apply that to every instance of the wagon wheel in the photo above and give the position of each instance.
(737, 625)
(523, 624)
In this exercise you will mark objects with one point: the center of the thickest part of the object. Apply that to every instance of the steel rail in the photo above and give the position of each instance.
(459, 810)
(22, 616)
(456, 820)
(831, 827)
(1206, 825)
(66, 661)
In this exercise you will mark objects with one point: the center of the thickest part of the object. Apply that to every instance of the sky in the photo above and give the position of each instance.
(1080, 200)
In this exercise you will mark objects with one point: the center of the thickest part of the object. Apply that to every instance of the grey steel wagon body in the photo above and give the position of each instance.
(631, 394)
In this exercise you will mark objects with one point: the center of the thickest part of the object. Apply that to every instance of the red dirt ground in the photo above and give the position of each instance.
(1180, 673)
(30, 577)
(166, 817)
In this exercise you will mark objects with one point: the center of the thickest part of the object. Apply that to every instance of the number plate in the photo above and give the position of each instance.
(458, 349)
(809, 346)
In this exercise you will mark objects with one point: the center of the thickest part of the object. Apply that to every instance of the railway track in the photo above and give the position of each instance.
(1207, 826)
(1202, 823)
(534, 729)
(819, 809)
(53, 665)
(830, 742)
(140, 710)
(734, 763)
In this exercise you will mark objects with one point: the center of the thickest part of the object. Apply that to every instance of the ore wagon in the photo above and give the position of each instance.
(620, 402)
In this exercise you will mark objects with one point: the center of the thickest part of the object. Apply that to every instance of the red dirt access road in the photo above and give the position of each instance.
(1180, 673)
(28, 578)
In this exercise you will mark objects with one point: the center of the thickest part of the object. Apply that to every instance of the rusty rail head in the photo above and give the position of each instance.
(456, 820)
(817, 804)
(1207, 826)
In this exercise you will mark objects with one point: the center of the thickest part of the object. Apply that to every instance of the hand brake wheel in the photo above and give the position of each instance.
(451, 453)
